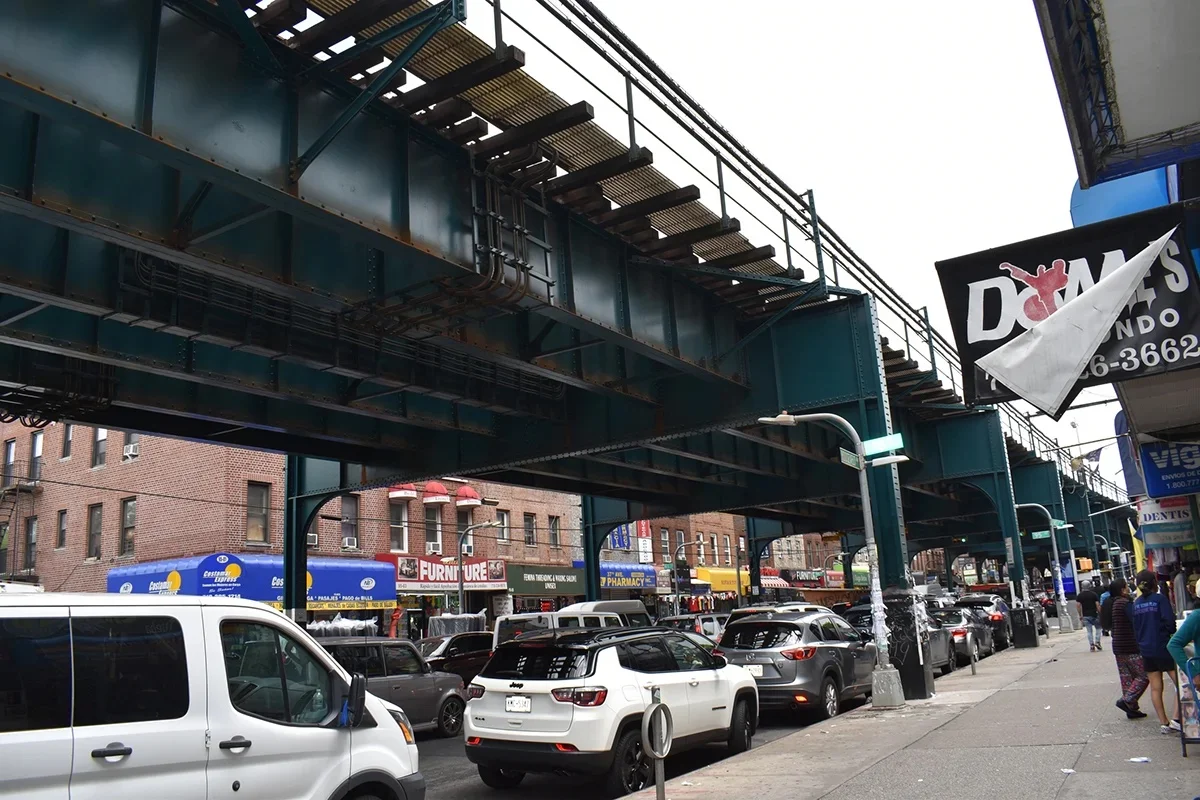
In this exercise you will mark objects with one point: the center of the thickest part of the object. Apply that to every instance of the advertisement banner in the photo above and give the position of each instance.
(994, 296)
(427, 574)
(534, 580)
(1166, 522)
(645, 548)
(1170, 469)
(1135, 484)
(621, 538)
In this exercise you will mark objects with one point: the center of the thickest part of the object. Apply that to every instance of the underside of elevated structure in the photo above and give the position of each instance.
(210, 232)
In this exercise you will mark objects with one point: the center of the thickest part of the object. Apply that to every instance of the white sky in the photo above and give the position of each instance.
(927, 130)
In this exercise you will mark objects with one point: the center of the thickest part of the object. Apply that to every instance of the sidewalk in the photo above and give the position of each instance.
(1008, 731)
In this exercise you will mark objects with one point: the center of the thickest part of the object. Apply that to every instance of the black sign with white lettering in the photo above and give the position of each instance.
(994, 296)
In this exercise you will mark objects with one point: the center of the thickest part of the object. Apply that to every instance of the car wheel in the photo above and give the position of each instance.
(500, 778)
(830, 702)
(951, 660)
(450, 717)
(741, 728)
(630, 770)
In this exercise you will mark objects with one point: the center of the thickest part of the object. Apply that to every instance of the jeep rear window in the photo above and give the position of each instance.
(536, 663)
(510, 629)
(760, 635)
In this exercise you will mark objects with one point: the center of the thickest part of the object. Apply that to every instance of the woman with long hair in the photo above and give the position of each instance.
(1153, 623)
(1125, 649)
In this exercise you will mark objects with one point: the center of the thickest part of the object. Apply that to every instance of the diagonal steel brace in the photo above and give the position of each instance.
(814, 291)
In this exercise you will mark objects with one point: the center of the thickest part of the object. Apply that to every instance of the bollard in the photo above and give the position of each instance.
(971, 650)
(657, 731)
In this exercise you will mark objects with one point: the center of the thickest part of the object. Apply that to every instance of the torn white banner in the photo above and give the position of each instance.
(1044, 363)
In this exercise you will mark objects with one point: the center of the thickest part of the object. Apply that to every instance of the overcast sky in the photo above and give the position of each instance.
(927, 130)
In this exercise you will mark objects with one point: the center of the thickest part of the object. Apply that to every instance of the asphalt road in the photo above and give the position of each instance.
(449, 775)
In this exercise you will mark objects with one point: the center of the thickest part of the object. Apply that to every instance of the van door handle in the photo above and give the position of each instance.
(693, 683)
(236, 743)
(114, 750)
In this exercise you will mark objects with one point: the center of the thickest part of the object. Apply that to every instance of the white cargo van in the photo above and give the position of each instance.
(510, 626)
(633, 613)
(192, 698)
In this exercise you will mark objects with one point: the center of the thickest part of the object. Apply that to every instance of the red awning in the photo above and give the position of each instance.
(466, 497)
(774, 582)
(405, 491)
(435, 493)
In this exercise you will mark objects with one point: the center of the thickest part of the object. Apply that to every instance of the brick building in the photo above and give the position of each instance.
(78, 501)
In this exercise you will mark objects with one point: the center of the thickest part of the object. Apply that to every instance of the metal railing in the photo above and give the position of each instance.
(728, 173)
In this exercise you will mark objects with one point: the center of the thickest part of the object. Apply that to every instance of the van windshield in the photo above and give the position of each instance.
(637, 620)
(509, 629)
(536, 663)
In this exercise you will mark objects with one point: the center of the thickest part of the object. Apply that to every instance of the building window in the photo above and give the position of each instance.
(68, 433)
(132, 446)
(35, 454)
(61, 541)
(700, 548)
(350, 521)
(664, 536)
(99, 447)
(10, 458)
(30, 546)
(554, 527)
(530, 530)
(716, 554)
(679, 552)
(464, 522)
(95, 521)
(258, 501)
(433, 525)
(505, 520)
(727, 553)
(741, 544)
(398, 527)
(128, 526)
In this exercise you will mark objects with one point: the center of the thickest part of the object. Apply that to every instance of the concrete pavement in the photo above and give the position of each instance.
(1009, 731)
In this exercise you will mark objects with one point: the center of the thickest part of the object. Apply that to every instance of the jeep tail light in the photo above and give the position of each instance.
(587, 696)
(474, 691)
(959, 633)
(799, 653)
(996, 617)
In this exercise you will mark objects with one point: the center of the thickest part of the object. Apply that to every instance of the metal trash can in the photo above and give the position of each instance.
(1024, 627)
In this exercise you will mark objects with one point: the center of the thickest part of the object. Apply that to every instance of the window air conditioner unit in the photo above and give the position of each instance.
(130, 450)
(349, 542)
(433, 548)
(468, 549)
(313, 541)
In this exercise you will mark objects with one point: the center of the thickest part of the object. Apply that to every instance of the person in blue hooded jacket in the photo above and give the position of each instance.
(1153, 623)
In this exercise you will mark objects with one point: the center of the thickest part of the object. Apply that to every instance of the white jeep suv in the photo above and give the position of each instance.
(572, 701)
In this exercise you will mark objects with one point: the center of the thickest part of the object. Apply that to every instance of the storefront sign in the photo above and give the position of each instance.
(645, 548)
(723, 580)
(627, 576)
(621, 538)
(994, 296)
(541, 579)
(425, 574)
(1166, 522)
(1170, 469)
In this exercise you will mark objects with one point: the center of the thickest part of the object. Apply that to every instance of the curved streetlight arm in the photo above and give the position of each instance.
(1060, 595)
(462, 539)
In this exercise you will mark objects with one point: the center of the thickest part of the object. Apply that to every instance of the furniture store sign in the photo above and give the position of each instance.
(1166, 522)
(422, 574)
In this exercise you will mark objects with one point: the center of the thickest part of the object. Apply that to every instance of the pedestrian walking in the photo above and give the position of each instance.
(1089, 610)
(1106, 618)
(1153, 624)
(1125, 650)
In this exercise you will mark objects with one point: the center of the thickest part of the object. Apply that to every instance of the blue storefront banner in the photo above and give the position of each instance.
(1135, 486)
(333, 583)
(1170, 469)
(621, 538)
(627, 576)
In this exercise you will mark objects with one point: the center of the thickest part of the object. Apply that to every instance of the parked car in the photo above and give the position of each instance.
(135, 696)
(707, 624)
(998, 612)
(510, 626)
(941, 644)
(572, 702)
(464, 654)
(790, 607)
(395, 671)
(801, 661)
(960, 622)
(633, 613)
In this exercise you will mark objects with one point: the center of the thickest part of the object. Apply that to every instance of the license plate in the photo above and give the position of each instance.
(754, 669)
(518, 704)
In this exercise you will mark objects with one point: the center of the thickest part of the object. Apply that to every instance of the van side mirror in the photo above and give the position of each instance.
(356, 699)
(719, 662)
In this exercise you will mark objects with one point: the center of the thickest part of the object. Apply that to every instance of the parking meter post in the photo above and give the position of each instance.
(657, 732)
(971, 650)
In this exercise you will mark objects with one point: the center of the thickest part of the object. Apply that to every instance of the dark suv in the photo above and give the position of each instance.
(998, 614)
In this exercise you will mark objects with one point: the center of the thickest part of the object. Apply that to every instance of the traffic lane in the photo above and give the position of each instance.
(448, 773)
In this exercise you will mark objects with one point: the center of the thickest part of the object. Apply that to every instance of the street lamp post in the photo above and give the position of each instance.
(1060, 595)
(675, 575)
(886, 688)
(462, 538)
(829, 559)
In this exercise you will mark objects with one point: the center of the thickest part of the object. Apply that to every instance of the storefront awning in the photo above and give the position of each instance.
(435, 493)
(404, 491)
(723, 580)
(774, 582)
(614, 575)
(466, 497)
(333, 583)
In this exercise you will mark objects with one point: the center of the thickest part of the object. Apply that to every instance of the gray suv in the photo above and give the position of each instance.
(803, 661)
(396, 672)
